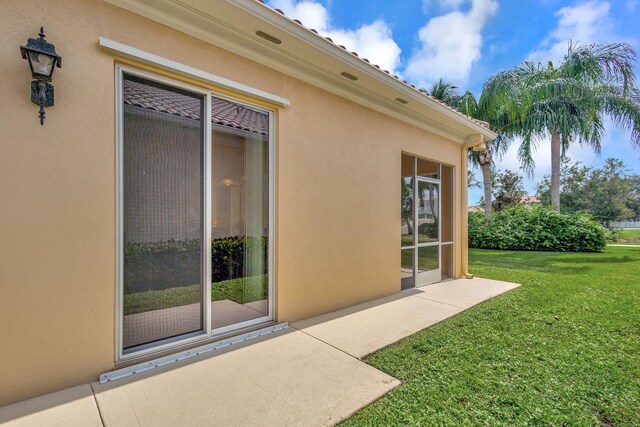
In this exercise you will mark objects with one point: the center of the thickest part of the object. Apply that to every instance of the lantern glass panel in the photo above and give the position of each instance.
(41, 64)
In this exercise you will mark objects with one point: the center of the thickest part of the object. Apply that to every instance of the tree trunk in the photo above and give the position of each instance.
(485, 166)
(555, 171)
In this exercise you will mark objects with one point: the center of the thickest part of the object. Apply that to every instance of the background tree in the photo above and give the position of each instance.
(508, 190)
(573, 177)
(608, 189)
(633, 199)
(607, 193)
(472, 180)
(566, 103)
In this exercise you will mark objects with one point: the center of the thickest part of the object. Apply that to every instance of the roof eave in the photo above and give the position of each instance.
(259, 9)
(222, 23)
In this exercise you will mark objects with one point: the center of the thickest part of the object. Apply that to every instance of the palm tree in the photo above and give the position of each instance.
(566, 103)
(467, 104)
(446, 92)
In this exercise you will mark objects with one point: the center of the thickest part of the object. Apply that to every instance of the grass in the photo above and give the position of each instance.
(427, 258)
(241, 290)
(563, 349)
(629, 236)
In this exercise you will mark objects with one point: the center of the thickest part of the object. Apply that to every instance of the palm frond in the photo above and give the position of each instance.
(446, 92)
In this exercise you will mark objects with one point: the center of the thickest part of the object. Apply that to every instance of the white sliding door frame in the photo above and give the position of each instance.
(206, 332)
(271, 232)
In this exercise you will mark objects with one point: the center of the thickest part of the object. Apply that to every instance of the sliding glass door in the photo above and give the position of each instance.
(163, 189)
(195, 208)
(240, 215)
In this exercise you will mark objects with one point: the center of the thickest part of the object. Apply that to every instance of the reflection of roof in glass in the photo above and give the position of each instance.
(223, 112)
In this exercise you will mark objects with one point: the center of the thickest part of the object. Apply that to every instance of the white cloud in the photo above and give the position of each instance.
(373, 41)
(310, 13)
(585, 22)
(450, 44)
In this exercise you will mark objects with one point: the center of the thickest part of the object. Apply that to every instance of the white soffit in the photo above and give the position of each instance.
(232, 24)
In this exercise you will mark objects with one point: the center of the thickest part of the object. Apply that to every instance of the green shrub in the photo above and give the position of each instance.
(536, 228)
(164, 265)
(227, 256)
(429, 228)
(161, 265)
(613, 235)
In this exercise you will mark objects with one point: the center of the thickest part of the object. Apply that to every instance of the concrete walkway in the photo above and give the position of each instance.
(308, 374)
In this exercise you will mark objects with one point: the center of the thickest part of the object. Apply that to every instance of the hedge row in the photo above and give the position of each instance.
(163, 265)
(536, 228)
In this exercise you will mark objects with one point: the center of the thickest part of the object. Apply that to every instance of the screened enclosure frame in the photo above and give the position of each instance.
(207, 332)
(440, 243)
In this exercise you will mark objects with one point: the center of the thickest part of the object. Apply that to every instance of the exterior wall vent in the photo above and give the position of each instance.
(349, 76)
(268, 37)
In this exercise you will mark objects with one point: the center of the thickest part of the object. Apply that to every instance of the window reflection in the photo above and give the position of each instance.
(162, 190)
(240, 213)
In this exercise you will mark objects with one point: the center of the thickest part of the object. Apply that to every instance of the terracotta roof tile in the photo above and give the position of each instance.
(420, 91)
(223, 112)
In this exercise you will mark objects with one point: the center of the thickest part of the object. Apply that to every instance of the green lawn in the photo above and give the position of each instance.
(629, 236)
(564, 349)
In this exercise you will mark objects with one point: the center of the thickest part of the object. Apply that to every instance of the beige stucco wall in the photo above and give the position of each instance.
(338, 197)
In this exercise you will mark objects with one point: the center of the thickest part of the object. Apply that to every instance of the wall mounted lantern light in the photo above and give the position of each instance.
(43, 61)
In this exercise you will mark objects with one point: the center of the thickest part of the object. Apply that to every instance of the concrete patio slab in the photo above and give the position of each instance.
(287, 378)
(75, 406)
(364, 328)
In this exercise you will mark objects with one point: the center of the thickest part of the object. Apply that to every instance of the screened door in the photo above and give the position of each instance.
(428, 232)
(163, 239)
(427, 222)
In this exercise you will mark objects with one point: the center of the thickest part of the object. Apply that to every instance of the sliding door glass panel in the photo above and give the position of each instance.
(240, 213)
(446, 189)
(427, 169)
(407, 207)
(428, 212)
(428, 269)
(446, 261)
(162, 213)
(406, 269)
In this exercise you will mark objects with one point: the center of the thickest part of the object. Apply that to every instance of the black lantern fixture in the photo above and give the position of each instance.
(43, 61)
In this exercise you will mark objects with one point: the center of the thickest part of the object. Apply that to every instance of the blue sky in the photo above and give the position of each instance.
(466, 41)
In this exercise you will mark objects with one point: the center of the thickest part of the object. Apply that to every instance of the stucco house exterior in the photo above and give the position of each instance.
(209, 167)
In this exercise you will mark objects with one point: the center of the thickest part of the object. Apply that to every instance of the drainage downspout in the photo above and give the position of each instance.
(477, 143)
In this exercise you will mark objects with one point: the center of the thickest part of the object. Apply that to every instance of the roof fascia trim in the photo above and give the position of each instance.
(264, 12)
